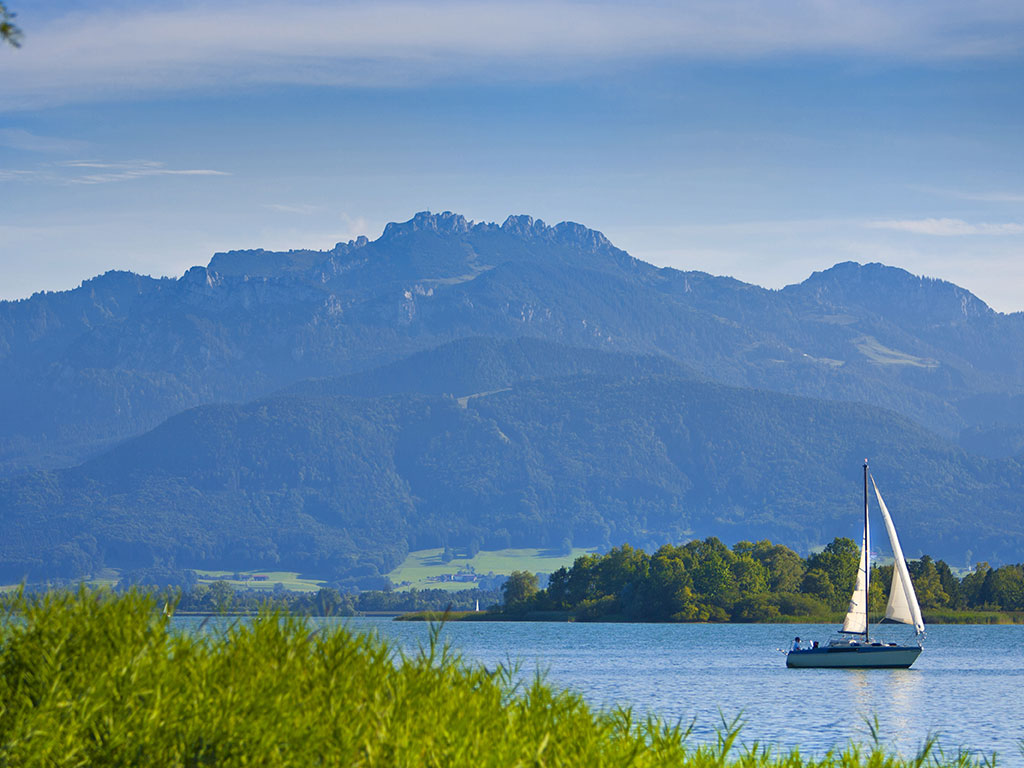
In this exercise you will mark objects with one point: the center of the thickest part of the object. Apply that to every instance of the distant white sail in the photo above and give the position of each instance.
(902, 607)
(856, 622)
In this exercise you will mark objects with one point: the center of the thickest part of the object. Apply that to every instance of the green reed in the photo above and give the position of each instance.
(96, 679)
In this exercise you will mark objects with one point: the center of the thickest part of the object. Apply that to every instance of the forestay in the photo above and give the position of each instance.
(902, 607)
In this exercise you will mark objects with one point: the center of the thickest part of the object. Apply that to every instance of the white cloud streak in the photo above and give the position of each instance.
(129, 171)
(140, 49)
(947, 227)
(70, 172)
(11, 174)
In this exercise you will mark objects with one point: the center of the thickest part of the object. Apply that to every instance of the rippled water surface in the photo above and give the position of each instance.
(967, 687)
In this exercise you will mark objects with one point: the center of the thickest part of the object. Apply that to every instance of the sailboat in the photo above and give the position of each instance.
(902, 609)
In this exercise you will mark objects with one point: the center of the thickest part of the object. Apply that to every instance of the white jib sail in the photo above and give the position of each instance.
(856, 622)
(902, 607)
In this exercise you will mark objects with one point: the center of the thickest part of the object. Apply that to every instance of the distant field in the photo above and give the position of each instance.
(423, 563)
(877, 352)
(288, 579)
(108, 577)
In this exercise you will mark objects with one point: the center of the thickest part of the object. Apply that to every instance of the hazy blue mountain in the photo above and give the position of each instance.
(81, 370)
(519, 383)
(343, 486)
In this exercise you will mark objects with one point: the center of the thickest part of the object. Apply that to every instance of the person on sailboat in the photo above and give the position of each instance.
(796, 645)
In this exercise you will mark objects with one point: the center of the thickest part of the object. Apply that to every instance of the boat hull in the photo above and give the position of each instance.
(854, 657)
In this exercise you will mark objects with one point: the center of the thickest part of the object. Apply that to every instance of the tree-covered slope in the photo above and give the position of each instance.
(480, 365)
(342, 485)
(81, 370)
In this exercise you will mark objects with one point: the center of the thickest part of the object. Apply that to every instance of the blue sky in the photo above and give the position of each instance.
(762, 140)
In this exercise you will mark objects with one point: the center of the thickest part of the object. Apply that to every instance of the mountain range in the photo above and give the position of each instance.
(487, 384)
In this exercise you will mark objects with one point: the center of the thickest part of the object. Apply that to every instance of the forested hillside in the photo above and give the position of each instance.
(480, 365)
(83, 369)
(453, 382)
(340, 485)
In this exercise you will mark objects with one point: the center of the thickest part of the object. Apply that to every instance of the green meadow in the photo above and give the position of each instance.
(288, 579)
(423, 564)
(95, 679)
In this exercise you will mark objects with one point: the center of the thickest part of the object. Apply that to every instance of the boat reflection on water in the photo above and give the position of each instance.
(885, 704)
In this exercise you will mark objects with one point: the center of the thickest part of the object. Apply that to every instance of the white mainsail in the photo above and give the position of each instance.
(902, 607)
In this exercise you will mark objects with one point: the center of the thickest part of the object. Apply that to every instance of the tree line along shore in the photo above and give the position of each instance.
(704, 580)
(700, 581)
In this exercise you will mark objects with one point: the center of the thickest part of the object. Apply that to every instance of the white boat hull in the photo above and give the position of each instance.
(855, 657)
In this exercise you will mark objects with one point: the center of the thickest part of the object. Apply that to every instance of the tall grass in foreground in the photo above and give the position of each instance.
(92, 679)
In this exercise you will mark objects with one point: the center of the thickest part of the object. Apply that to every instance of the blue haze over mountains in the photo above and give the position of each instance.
(494, 385)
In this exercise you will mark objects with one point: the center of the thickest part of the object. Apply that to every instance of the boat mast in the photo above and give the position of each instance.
(867, 555)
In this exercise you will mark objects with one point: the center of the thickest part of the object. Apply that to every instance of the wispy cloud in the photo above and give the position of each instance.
(947, 227)
(142, 48)
(84, 172)
(356, 225)
(11, 174)
(129, 171)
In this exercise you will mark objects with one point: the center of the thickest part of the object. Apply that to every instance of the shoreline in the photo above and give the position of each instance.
(972, 618)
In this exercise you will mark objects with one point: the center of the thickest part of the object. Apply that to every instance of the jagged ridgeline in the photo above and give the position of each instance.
(499, 385)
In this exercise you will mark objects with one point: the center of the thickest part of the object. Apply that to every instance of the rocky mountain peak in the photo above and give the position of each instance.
(351, 245)
(576, 234)
(524, 226)
(446, 223)
(567, 232)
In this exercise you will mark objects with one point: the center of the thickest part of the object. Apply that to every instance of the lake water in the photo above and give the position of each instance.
(967, 687)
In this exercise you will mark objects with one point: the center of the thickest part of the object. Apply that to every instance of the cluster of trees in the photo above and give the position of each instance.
(697, 581)
(752, 581)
